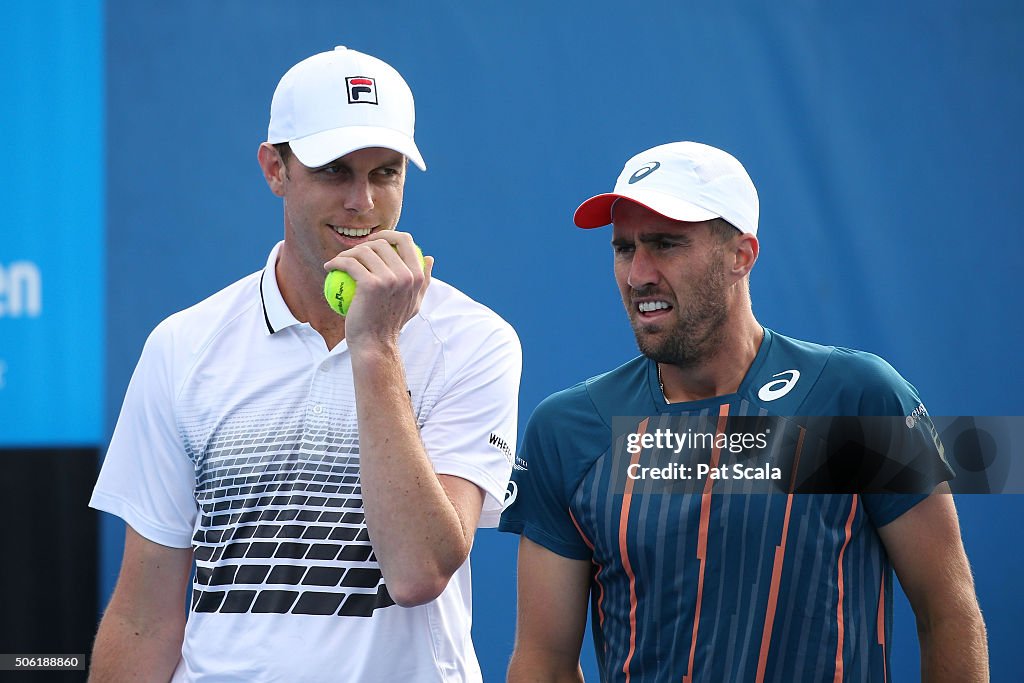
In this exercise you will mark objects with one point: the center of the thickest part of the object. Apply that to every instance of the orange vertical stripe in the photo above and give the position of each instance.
(881, 625)
(796, 460)
(600, 598)
(702, 538)
(627, 497)
(580, 530)
(839, 607)
(597, 575)
(773, 593)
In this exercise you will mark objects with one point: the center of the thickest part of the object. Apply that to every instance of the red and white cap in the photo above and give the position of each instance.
(336, 102)
(684, 181)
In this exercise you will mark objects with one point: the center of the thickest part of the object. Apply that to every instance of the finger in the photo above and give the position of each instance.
(365, 253)
(350, 264)
(385, 251)
(407, 250)
(403, 243)
(428, 268)
(392, 237)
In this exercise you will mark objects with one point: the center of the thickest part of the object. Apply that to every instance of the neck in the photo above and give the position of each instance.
(303, 293)
(719, 374)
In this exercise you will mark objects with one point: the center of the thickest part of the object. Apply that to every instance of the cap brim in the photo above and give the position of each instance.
(322, 148)
(597, 211)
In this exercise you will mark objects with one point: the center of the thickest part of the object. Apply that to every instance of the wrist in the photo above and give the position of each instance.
(380, 357)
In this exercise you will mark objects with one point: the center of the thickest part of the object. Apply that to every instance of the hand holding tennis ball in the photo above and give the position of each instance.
(339, 287)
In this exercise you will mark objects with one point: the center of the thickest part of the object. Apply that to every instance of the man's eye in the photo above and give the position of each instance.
(331, 170)
(388, 171)
(622, 248)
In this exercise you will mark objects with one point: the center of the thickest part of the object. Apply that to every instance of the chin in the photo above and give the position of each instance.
(648, 346)
(644, 329)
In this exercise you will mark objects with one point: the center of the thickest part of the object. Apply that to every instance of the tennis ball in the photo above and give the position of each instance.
(339, 287)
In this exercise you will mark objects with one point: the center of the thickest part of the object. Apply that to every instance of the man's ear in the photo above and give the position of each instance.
(744, 253)
(275, 171)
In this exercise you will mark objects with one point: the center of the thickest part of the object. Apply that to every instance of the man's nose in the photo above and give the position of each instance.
(642, 270)
(359, 196)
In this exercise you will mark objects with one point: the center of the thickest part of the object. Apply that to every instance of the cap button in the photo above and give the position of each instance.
(339, 48)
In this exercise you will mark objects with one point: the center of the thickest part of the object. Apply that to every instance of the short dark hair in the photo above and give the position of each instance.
(284, 150)
(722, 229)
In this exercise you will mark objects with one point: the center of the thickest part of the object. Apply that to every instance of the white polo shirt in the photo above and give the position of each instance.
(238, 437)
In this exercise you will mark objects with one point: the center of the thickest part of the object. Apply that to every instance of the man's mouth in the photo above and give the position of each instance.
(652, 306)
(351, 232)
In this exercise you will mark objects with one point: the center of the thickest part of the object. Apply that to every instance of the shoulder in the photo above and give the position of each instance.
(187, 332)
(446, 305)
(839, 364)
(851, 381)
(563, 436)
(622, 379)
(870, 385)
(565, 407)
(213, 312)
(455, 319)
(796, 377)
(593, 402)
(839, 361)
(870, 371)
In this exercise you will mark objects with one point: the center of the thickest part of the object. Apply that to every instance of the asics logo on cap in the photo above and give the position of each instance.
(361, 90)
(644, 171)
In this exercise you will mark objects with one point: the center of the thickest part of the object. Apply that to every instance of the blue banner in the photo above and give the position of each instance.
(51, 234)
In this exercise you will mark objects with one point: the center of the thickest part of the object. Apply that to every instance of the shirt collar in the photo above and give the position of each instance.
(275, 311)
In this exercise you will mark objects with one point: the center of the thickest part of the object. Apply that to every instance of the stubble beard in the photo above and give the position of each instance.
(699, 328)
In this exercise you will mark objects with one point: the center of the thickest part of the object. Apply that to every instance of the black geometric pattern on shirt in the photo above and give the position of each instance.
(282, 528)
(274, 601)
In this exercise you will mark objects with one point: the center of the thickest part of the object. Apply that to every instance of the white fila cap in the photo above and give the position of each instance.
(684, 181)
(337, 102)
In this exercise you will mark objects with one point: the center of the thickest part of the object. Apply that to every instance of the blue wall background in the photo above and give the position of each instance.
(884, 142)
(51, 231)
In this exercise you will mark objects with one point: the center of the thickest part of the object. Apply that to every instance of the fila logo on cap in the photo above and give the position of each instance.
(361, 90)
(644, 171)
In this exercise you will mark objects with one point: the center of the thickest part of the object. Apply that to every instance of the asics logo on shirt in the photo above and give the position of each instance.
(778, 388)
(511, 493)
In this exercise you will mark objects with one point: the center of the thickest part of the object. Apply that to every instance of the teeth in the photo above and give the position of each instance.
(352, 232)
(649, 306)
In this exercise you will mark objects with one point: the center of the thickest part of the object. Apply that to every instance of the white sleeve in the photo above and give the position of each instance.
(471, 430)
(146, 478)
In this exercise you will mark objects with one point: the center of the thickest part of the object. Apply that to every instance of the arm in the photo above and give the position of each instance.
(552, 616)
(141, 632)
(421, 524)
(927, 553)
